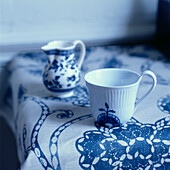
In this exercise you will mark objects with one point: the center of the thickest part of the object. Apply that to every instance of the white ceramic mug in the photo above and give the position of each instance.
(113, 94)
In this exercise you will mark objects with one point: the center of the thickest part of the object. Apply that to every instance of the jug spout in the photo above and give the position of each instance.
(49, 53)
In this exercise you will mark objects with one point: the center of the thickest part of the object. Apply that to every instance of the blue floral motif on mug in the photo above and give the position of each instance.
(107, 118)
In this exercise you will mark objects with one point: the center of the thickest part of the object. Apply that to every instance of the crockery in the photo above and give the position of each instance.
(113, 94)
(62, 73)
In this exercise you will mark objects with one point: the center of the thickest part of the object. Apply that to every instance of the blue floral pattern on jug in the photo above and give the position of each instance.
(63, 73)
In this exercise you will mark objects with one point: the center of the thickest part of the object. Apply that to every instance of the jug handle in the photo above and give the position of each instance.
(82, 52)
(153, 76)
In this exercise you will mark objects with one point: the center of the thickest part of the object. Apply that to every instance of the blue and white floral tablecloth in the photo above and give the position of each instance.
(54, 133)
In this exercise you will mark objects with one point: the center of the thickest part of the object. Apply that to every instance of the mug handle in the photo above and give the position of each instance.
(82, 52)
(153, 76)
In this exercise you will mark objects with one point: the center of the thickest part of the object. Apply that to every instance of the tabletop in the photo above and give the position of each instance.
(61, 133)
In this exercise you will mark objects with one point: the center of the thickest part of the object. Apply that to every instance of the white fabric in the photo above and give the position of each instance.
(54, 133)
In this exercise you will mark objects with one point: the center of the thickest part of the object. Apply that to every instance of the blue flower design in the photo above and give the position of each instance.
(164, 104)
(107, 118)
(133, 146)
(64, 114)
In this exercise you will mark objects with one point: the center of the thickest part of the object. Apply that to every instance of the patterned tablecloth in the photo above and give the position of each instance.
(54, 133)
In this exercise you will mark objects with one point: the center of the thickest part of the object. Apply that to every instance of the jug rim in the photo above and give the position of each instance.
(59, 44)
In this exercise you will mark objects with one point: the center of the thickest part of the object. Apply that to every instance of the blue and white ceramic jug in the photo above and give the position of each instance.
(62, 72)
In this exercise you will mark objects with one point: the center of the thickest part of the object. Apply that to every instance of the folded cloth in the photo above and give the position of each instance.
(55, 133)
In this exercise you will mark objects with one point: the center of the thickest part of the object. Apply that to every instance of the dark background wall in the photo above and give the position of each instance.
(163, 27)
(8, 153)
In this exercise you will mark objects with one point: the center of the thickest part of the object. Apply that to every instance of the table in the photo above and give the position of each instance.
(54, 133)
